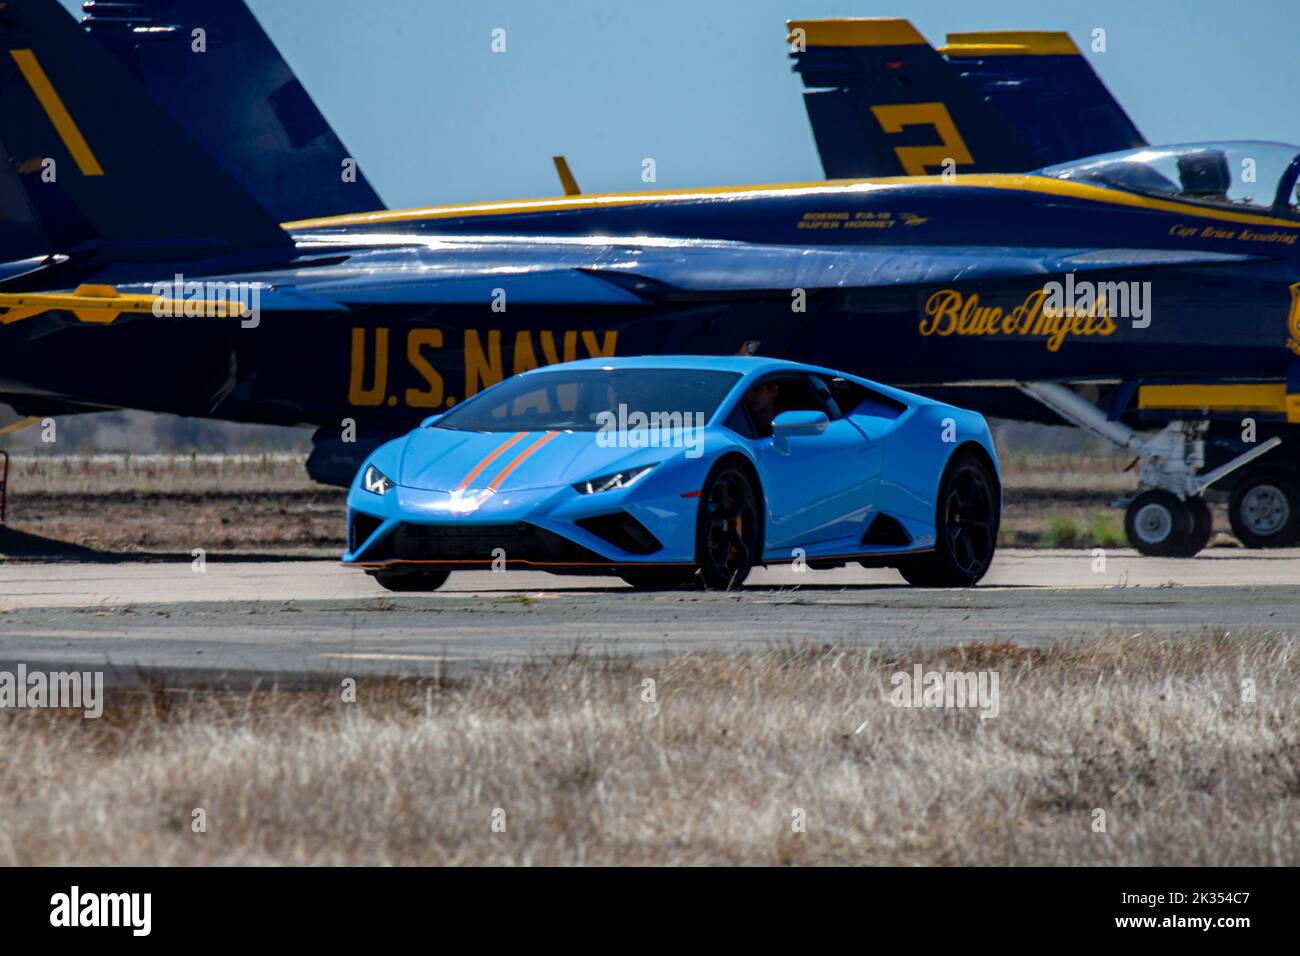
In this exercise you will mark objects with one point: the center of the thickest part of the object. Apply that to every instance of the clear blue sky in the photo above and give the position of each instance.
(704, 87)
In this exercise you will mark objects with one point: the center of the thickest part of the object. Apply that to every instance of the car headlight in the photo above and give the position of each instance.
(375, 481)
(611, 482)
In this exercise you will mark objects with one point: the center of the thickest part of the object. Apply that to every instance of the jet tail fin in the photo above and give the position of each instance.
(883, 102)
(100, 161)
(1044, 86)
(238, 98)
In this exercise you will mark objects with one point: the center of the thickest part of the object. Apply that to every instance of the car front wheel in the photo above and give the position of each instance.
(966, 527)
(727, 533)
(412, 580)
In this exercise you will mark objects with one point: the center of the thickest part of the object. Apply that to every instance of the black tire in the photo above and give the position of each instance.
(727, 532)
(1159, 524)
(659, 579)
(411, 580)
(1202, 525)
(1264, 510)
(967, 516)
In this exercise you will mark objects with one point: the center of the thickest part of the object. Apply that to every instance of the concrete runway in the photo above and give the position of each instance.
(242, 620)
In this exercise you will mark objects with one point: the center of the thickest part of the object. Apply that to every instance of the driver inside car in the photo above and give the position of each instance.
(760, 401)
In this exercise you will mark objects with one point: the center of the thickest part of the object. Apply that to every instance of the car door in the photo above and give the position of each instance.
(818, 488)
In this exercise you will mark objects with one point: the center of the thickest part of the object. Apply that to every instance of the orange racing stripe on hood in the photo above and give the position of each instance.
(492, 456)
(519, 459)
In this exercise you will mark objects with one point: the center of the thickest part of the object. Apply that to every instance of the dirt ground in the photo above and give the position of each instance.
(266, 504)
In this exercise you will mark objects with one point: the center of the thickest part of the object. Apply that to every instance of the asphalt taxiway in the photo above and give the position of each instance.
(239, 619)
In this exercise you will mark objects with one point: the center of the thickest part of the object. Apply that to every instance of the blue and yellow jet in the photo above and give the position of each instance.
(1169, 275)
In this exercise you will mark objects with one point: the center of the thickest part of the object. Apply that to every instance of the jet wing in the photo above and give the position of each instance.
(464, 271)
(783, 268)
(611, 274)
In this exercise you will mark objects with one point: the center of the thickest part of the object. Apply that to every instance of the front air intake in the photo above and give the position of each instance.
(622, 531)
(362, 527)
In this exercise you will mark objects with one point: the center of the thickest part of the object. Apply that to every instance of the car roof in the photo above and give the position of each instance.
(743, 364)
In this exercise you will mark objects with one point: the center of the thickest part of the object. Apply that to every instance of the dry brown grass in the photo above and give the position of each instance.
(96, 474)
(1153, 732)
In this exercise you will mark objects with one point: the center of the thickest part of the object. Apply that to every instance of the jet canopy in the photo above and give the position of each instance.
(1252, 174)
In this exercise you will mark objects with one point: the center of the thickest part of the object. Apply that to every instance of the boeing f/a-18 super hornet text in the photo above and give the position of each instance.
(1166, 275)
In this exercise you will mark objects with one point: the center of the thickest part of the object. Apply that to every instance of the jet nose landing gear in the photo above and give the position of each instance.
(1168, 517)
(1160, 524)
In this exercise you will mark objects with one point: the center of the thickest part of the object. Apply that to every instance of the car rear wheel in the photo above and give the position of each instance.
(658, 579)
(967, 516)
(727, 532)
(412, 580)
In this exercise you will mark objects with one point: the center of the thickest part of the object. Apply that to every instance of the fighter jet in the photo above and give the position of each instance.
(882, 102)
(1161, 269)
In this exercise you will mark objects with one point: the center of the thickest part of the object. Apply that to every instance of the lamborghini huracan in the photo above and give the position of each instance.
(679, 471)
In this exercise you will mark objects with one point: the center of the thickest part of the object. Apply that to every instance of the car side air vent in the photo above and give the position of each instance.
(623, 531)
(886, 530)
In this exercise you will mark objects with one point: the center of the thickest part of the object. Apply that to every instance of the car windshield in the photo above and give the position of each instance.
(572, 399)
(1231, 174)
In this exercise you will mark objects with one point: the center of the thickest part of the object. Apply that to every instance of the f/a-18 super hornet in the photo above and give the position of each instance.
(882, 102)
(1162, 269)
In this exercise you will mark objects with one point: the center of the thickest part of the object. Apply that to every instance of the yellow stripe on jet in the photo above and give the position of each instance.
(57, 112)
(855, 31)
(101, 304)
(1260, 397)
(1010, 43)
(1012, 182)
(19, 425)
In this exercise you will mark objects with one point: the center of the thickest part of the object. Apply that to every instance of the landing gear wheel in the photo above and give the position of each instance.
(966, 528)
(1202, 525)
(726, 531)
(1161, 525)
(658, 579)
(411, 580)
(1265, 510)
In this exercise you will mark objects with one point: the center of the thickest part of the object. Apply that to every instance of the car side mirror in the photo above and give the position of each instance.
(431, 420)
(796, 424)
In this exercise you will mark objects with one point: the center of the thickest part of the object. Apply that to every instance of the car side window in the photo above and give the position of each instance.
(738, 421)
(779, 393)
(855, 399)
(797, 393)
(848, 395)
(833, 409)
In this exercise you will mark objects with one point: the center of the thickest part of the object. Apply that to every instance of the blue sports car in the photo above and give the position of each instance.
(671, 470)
